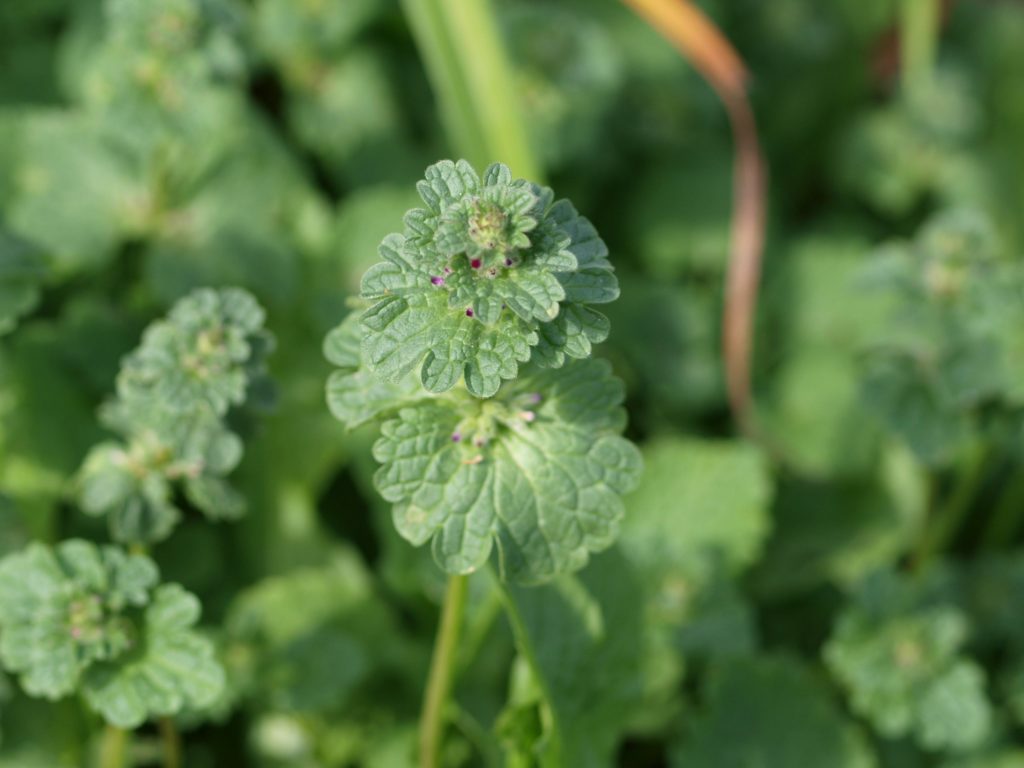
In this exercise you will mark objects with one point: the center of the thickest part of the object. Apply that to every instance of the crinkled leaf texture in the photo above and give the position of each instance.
(173, 394)
(174, 666)
(898, 653)
(81, 617)
(491, 272)
(60, 610)
(539, 470)
(200, 358)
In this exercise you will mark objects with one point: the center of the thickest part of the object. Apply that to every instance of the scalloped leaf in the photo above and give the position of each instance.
(173, 668)
(202, 355)
(466, 290)
(63, 609)
(898, 653)
(540, 470)
(174, 392)
(355, 395)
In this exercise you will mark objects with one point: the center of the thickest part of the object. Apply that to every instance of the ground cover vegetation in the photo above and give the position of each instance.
(318, 449)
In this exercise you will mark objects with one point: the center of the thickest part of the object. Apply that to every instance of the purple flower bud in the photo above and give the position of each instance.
(533, 398)
(456, 437)
(437, 281)
(469, 311)
(508, 262)
(447, 270)
(475, 263)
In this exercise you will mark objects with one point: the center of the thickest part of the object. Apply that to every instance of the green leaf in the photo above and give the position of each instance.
(582, 640)
(163, 86)
(838, 533)
(712, 496)
(201, 356)
(897, 650)
(464, 293)
(354, 394)
(992, 759)
(174, 667)
(75, 197)
(539, 470)
(136, 499)
(773, 713)
(66, 609)
(21, 271)
(304, 641)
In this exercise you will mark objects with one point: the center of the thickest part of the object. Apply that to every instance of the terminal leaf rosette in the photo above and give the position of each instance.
(173, 394)
(898, 652)
(948, 357)
(82, 617)
(491, 273)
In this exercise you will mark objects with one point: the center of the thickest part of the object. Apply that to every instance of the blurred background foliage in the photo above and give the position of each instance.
(846, 594)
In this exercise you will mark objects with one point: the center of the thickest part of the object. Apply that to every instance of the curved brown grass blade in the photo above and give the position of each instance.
(700, 41)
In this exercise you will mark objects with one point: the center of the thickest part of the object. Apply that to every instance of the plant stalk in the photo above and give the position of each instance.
(937, 536)
(919, 39)
(170, 741)
(460, 42)
(113, 747)
(442, 665)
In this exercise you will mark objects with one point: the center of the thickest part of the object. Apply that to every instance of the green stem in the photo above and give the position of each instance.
(113, 747)
(170, 743)
(461, 46)
(919, 38)
(1005, 521)
(478, 736)
(526, 649)
(937, 536)
(435, 701)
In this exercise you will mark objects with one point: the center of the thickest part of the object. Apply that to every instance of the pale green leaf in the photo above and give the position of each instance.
(898, 652)
(581, 638)
(64, 609)
(174, 667)
(539, 470)
(713, 496)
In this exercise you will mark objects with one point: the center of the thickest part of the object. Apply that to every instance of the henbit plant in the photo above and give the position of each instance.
(897, 650)
(76, 617)
(173, 394)
(489, 286)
